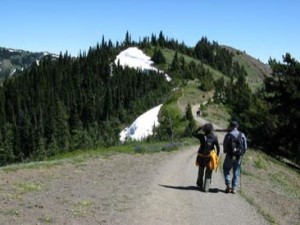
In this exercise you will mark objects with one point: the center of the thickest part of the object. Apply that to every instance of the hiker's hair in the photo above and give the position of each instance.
(207, 128)
(233, 124)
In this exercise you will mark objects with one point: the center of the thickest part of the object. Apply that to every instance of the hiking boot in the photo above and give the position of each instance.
(233, 191)
(228, 189)
(199, 183)
(207, 185)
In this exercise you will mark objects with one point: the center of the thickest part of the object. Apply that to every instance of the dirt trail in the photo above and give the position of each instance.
(122, 189)
(175, 199)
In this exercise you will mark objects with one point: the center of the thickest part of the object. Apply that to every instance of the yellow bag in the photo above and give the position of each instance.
(214, 160)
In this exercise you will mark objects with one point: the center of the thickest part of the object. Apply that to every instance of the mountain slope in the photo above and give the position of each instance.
(61, 99)
(13, 60)
(256, 70)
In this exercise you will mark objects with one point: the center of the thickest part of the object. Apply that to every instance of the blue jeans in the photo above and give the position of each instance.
(234, 164)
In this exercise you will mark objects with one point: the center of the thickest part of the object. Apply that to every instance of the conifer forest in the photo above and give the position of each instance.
(68, 103)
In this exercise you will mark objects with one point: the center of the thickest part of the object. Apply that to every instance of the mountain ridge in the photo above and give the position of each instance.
(14, 60)
(89, 97)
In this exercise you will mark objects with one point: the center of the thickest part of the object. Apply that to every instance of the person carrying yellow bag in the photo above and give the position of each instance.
(214, 160)
(207, 158)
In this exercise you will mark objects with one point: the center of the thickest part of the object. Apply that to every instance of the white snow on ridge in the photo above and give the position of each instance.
(135, 58)
(142, 127)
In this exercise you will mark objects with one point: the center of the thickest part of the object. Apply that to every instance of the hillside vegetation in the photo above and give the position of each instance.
(69, 104)
(270, 184)
(72, 109)
(14, 61)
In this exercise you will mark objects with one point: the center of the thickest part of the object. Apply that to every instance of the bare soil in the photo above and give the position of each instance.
(144, 189)
(121, 189)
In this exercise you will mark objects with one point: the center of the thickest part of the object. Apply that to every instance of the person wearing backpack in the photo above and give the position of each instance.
(235, 146)
(208, 143)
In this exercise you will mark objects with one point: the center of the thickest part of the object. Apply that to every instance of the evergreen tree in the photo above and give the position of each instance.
(161, 39)
(51, 106)
(168, 120)
(127, 41)
(6, 145)
(282, 94)
(175, 65)
(158, 57)
(219, 94)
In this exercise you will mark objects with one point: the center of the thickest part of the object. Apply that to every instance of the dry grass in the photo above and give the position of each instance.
(272, 187)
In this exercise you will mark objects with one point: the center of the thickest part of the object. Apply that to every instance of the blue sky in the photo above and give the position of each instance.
(262, 28)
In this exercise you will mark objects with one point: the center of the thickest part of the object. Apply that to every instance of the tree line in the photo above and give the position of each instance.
(73, 103)
(271, 116)
(80, 103)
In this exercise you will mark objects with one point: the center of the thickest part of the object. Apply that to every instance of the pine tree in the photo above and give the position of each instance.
(175, 63)
(158, 57)
(6, 145)
(282, 93)
(161, 39)
(127, 41)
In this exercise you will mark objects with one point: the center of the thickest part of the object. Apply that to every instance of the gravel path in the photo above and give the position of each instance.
(122, 189)
(174, 198)
(125, 189)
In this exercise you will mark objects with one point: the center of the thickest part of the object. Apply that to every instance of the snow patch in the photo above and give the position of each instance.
(142, 127)
(135, 58)
(12, 72)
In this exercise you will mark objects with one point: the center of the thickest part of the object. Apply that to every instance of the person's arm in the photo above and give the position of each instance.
(195, 133)
(216, 144)
(225, 143)
(218, 147)
(245, 141)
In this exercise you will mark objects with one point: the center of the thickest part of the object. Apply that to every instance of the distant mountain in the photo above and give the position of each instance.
(13, 60)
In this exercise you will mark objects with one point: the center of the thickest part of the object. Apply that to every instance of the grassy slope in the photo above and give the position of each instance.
(255, 69)
(272, 186)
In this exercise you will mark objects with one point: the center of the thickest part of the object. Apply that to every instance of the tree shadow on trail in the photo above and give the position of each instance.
(191, 188)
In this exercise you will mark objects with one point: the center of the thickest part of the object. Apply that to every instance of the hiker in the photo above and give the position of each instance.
(208, 143)
(198, 113)
(233, 159)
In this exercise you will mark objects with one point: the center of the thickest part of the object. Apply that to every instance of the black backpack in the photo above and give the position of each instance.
(236, 145)
(209, 144)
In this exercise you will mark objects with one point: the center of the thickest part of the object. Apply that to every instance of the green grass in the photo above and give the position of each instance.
(10, 212)
(78, 157)
(46, 219)
(28, 187)
(260, 210)
(269, 182)
(254, 70)
(169, 55)
(82, 208)
(260, 163)
(217, 114)
(193, 95)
